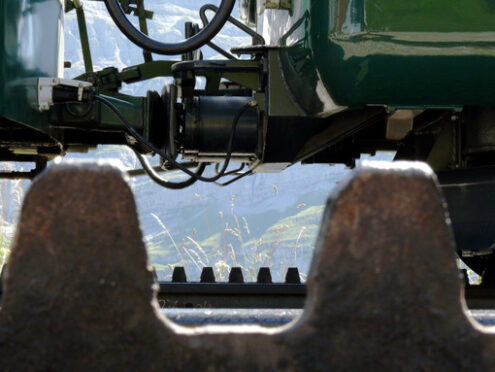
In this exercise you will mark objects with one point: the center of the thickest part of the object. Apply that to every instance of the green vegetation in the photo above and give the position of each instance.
(206, 236)
(4, 253)
(287, 243)
(472, 277)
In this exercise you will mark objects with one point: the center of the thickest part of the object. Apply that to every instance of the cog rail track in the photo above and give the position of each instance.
(233, 294)
(262, 294)
(383, 290)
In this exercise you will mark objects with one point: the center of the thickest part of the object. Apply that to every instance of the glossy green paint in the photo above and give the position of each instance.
(31, 46)
(422, 53)
(101, 118)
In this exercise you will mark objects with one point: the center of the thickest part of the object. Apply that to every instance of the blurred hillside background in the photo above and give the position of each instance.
(263, 220)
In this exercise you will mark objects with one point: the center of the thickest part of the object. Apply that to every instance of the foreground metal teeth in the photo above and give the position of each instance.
(383, 291)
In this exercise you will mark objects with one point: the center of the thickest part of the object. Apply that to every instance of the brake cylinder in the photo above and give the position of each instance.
(208, 127)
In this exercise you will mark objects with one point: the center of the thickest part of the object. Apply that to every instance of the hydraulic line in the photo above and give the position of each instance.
(164, 183)
(235, 179)
(197, 41)
(235, 172)
(159, 169)
(166, 156)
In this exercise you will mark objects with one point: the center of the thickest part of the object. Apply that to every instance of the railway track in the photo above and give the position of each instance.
(372, 299)
(264, 295)
(269, 317)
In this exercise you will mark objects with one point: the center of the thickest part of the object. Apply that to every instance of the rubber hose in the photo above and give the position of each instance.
(164, 183)
(197, 41)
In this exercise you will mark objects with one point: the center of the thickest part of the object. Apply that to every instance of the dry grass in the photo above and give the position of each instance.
(4, 255)
(233, 244)
(11, 195)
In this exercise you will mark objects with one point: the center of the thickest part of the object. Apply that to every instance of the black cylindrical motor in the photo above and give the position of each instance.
(208, 127)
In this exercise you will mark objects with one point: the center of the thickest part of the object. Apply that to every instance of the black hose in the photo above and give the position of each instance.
(234, 172)
(158, 169)
(248, 30)
(197, 41)
(166, 156)
(164, 183)
(235, 179)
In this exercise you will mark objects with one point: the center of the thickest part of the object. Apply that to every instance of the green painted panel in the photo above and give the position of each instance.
(422, 53)
(408, 54)
(31, 46)
(2, 58)
(430, 15)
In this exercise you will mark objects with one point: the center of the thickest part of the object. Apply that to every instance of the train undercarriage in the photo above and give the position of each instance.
(324, 82)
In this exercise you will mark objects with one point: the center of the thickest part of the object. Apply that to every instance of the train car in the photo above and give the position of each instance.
(324, 81)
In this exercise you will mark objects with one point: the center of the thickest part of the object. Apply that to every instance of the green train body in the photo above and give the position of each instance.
(334, 54)
(31, 46)
(324, 82)
(401, 54)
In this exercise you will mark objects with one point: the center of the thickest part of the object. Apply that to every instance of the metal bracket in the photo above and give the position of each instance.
(257, 38)
(45, 90)
(277, 4)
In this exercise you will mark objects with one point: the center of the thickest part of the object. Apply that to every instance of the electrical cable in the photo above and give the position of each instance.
(164, 183)
(247, 173)
(205, 35)
(141, 172)
(166, 156)
(234, 172)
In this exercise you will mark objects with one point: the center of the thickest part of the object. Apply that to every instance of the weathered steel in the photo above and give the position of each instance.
(232, 295)
(383, 287)
(235, 294)
(264, 317)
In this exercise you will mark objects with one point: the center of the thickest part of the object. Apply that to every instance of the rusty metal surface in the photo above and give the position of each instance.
(383, 287)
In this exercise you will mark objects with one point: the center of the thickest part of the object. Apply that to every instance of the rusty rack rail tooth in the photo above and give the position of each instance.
(478, 297)
(2, 271)
(101, 316)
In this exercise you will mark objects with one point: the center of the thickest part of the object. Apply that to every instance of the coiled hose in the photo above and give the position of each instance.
(197, 41)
